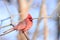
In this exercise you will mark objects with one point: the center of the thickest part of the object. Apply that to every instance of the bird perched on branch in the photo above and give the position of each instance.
(25, 24)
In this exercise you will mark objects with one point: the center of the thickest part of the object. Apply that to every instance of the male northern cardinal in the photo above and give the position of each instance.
(24, 25)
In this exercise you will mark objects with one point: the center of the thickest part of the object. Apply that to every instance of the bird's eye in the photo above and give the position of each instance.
(30, 19)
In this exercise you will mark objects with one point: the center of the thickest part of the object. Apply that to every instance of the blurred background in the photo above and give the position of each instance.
(53, 23)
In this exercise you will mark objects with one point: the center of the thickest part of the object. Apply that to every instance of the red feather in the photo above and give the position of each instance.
(24, 25)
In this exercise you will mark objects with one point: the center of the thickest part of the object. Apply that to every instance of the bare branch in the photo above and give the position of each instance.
(6, 32)
(23, 8)
(55, 9)
(42, 13)
(4, 26)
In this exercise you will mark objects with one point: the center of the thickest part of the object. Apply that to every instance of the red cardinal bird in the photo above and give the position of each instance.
(25, 25)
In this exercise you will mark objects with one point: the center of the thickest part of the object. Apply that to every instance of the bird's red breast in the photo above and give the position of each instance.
(24, 25)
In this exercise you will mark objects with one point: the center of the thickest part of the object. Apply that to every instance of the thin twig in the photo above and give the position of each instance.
(4, 26)
(6, 32)
(55, 9)
(25, 35)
